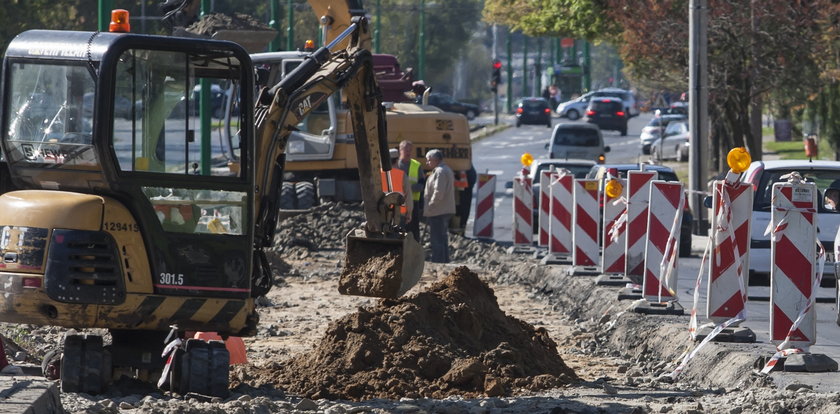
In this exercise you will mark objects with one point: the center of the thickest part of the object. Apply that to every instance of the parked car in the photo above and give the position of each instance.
(578, 168)
(654, 129)
(608, 113)
(446, 103)
(575, 108)
(582, 141)
(664, 173)
(674, 144)
(762, 175)
(533, 111)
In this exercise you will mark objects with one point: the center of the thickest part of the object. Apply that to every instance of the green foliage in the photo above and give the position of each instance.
(569, 18)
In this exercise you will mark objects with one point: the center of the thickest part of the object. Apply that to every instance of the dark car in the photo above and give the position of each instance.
(446, 103)
(608, 113)
(533, 111)
(664, 173)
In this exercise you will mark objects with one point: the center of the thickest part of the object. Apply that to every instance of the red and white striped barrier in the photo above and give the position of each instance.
(663, 246)
(638, 194)
(612, 256)
(544, 215)
(732, 202)
(585, 217)
(523, 231)
(793, 271)
(562, 204)
(484, 206)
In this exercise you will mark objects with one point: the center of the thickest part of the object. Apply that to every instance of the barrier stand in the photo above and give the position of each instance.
(729, 257)
(613, 234)
(484, 207)
(543, 215)
(637, 195)
(523, 230)
(661, 250)
(795, 277)
(560, 225)
(585, 230)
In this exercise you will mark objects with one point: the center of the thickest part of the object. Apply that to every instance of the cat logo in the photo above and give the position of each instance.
(306, 104)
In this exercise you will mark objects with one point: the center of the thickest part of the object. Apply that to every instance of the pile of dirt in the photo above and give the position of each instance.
(211, 23)
(450, 340)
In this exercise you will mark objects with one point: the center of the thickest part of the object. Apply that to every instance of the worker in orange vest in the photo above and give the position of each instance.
(398, 182)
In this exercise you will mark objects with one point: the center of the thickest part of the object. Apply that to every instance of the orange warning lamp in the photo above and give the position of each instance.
(119, 21)
(613, 188)
(738, 159)
(309, 45)
(526, 159)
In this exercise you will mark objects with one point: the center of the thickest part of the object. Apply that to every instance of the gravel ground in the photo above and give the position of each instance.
(620, 357)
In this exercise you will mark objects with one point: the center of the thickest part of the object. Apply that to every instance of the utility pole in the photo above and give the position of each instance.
(274, 45)
(698, 111)
(509, 45)
(524, 65)
(421, 42)
(290, 25)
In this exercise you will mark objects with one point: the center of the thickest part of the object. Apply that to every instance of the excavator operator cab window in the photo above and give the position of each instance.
(50, 122)
(162, 133)
(162, 138)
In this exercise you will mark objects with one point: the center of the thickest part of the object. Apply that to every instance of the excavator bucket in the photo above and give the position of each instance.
(381, 266)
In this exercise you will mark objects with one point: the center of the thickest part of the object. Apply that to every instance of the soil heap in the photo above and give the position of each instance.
(211, 23)
(450, 340)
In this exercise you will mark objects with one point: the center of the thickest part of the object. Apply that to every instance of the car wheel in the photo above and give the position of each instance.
(646, 149)
(623, 131)
(683, 154)
(471, 115)
(572, 114)
(518, 123)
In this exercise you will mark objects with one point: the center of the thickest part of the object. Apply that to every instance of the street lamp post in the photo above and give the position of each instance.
(524, 65)
(290, 26)
(377, 28)
(421, 42)
(509, 45)
(275, 24)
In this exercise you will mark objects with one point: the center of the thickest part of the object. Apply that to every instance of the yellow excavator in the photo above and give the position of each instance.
(128, 218)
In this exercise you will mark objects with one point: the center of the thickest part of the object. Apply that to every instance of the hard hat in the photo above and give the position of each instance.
(395, 153)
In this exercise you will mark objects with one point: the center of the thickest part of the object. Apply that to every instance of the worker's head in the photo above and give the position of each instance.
(406, 148)
(832, 198)
(434, 158)
(394, 154)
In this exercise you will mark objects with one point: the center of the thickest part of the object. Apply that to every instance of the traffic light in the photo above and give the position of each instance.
(496, 76)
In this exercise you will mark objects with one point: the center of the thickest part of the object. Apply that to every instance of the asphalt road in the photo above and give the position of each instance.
(499, 154)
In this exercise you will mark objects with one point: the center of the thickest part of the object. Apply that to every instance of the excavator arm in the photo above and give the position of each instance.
(380, 261)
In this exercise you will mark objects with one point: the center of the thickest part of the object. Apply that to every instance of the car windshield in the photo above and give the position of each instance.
(824, 179)
(605, 105)
(665, 175)
(534, 104)
(578, 137)
(579, 171)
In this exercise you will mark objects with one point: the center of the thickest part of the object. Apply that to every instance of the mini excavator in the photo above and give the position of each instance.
(126, 217)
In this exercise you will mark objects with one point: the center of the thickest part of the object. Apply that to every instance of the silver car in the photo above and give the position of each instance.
(575, 108)
(674, 144)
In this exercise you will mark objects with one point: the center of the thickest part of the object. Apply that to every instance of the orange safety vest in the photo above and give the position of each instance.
(461, 180)
(398, 182)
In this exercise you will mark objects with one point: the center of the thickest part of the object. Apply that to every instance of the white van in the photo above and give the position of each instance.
(583, 141)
